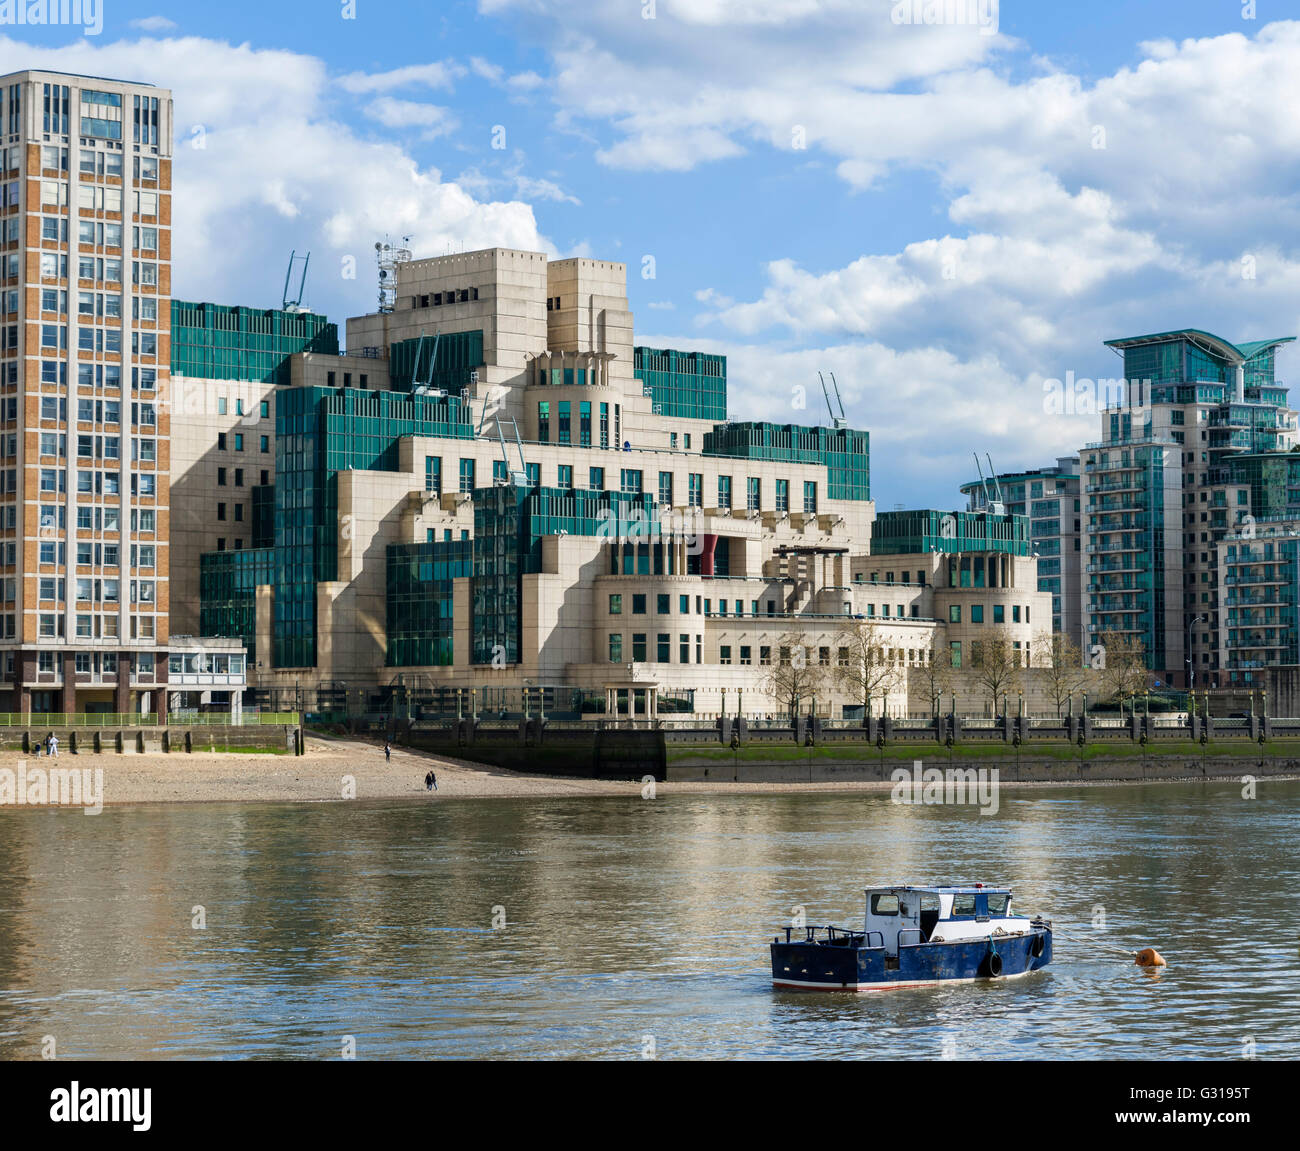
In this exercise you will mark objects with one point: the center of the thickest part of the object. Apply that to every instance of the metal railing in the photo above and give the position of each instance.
(145, 719)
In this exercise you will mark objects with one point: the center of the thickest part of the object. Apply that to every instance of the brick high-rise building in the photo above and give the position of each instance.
(85, 318)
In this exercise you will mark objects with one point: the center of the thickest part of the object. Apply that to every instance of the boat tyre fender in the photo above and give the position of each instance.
(1039, 946)
(994, 964)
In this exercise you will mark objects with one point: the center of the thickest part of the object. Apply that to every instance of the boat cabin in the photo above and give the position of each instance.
(911, 915)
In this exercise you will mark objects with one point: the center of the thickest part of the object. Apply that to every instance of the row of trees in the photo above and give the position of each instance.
(866, 664)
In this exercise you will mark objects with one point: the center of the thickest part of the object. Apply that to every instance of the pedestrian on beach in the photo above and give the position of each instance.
(388, 751)
(54, 745)
(428, 781)
(434, 780)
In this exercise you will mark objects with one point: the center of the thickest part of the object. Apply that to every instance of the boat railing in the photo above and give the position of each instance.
(920, 935)
(834, 936)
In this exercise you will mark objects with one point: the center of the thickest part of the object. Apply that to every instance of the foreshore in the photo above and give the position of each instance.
(356, 769)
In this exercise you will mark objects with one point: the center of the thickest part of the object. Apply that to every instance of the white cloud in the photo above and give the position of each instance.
(486, 69)
(1077, 209)
(393, 113)
(154, 24)
(514, 178)
(277, 172)
(714, 299)
(438, 74)
(674, 99)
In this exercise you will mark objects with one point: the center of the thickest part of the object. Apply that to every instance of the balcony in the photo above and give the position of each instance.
(1137, 484)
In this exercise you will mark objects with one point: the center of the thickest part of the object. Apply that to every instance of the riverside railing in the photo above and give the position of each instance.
(146, 719)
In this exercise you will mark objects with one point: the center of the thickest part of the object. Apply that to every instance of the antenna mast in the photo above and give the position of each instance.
(295, 305)
(836, 421)
(388, 256)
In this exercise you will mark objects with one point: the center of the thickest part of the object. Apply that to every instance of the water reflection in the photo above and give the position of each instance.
(627, 919)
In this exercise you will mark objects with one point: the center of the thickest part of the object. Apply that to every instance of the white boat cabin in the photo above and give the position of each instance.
(913, 915)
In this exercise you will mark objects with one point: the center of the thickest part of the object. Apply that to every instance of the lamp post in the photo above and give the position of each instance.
(1191, 666)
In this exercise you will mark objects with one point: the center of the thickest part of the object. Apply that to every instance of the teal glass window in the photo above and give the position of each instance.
(666, 488)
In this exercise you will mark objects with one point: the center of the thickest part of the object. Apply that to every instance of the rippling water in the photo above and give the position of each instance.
(632, 922)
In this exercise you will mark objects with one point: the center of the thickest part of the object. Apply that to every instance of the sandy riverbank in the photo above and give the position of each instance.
(319, 776)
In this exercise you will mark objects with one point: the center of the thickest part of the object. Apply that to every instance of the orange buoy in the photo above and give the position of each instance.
(1150, 957)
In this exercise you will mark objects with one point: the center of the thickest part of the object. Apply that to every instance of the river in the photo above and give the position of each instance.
(620, 928)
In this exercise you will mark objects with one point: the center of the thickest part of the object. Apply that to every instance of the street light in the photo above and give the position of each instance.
(1191, 665)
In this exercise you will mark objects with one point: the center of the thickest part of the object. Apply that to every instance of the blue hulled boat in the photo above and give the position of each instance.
(913, 937)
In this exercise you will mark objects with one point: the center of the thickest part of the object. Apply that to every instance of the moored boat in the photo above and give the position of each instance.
(914, 937)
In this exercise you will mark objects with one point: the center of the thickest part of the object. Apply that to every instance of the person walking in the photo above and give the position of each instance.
(53, 746)
(388, 751)
(433, 779)
(428, 781)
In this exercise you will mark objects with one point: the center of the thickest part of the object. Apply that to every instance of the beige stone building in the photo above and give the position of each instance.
(496, 489)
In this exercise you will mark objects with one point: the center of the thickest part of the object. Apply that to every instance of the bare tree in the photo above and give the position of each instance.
(1120, 663)
(936, 674)
(1061, 666)
(863, 667)
(996, 668)
(795, 675)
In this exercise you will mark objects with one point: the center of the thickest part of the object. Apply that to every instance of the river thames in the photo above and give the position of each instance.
(620, 928)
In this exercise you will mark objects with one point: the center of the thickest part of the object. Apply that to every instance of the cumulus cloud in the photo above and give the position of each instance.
(154, 24)
(1077, 209)
(262, 166)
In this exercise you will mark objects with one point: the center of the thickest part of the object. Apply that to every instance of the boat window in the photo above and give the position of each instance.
(930, 903)
(998, 904)
(963, 905)
(884, 905)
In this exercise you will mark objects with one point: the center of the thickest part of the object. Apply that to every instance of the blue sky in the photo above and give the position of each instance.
(947, 219)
